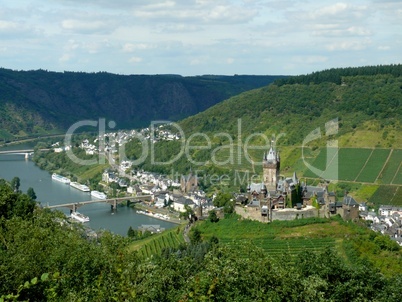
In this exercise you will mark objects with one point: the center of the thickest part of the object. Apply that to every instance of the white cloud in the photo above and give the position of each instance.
(131, 47)
(135, 60)
(348, 45)
(65, 57)
(199, 36)
(230, 60)
(384, 47)
(309, 59)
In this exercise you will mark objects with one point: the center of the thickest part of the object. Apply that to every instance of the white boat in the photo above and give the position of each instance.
(154, 215)
(79, 186)
(99, 195)
(79, 217)
(60, 178)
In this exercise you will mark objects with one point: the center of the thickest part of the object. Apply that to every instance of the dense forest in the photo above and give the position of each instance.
(335, 75)
(39, 101)
(43, 257)
(297, 109)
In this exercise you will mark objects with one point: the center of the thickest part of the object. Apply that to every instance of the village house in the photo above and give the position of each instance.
(109, 177)
(153, 228)
(180, 204)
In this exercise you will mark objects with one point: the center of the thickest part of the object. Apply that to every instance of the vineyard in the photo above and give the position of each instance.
(391, 194)
(155, 244)
(292, 247)
(278, 238)
(366, 165)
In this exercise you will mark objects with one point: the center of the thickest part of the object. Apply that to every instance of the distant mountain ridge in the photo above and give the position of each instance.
(41, 101)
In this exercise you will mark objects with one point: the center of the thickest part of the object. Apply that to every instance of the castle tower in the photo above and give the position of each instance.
(271, 168)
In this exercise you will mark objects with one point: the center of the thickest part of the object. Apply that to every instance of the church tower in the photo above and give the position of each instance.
(271, 168)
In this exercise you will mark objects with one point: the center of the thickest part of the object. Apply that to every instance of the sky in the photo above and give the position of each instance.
(195, 37)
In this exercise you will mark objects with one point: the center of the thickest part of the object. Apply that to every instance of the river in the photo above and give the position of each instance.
(50, 192)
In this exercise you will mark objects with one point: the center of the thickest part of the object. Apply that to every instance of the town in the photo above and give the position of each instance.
(274, 198)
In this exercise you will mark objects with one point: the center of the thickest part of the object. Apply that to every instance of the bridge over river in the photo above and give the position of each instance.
(73, 206)
(26, 152)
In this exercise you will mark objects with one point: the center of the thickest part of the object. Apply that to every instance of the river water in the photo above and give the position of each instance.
(51, 192)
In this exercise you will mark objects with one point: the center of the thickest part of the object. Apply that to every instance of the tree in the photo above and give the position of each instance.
(131, 232)
(226, 201)
(212, 216)
(15, 184)
(195, 236)
(31, 193)
(188, 213)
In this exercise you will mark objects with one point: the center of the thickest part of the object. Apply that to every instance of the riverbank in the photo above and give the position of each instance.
(173, 216)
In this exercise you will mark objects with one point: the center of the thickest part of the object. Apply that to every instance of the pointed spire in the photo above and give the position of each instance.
(294, 178)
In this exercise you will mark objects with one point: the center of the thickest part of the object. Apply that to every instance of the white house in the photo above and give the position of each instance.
(180, 203)
(363, 207)
(160, 200)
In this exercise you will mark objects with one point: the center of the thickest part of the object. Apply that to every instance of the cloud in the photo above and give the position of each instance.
(16, 30)
(135, 60)
(309, 59)
(86, 26)
(348, 45)
(65, 57)
(131, 47)
(199, 36)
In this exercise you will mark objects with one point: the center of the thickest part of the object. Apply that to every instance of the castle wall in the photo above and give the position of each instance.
(254, 213)
(292, 214)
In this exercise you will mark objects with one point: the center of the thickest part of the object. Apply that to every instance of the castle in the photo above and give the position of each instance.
(274, 192)
(277, 192)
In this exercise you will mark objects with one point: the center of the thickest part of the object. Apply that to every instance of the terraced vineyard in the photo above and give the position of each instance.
(365, 165)
(389, 195)
(279, 237)
(155, 244)
(292, 247)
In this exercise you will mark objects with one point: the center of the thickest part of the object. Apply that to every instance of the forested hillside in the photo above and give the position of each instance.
(39, 101)
(298, 105)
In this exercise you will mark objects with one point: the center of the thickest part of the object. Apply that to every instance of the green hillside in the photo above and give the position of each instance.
(367, 108)
(39, 101)
(289, 239)
(231, 137)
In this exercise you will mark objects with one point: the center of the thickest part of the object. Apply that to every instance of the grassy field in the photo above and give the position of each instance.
(154, 244)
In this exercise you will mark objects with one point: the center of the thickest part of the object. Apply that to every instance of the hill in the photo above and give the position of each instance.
(363, 103)
(291, 238)
(39, 101)
(366, 103)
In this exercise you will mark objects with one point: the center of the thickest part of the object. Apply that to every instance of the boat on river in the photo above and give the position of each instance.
(79, 217)
(98, 195)
(79, 186)
(60, 178)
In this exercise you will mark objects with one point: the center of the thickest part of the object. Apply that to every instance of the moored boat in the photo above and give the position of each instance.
(60, 178)
(79, 217)
(79, 186)
(99, 195)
